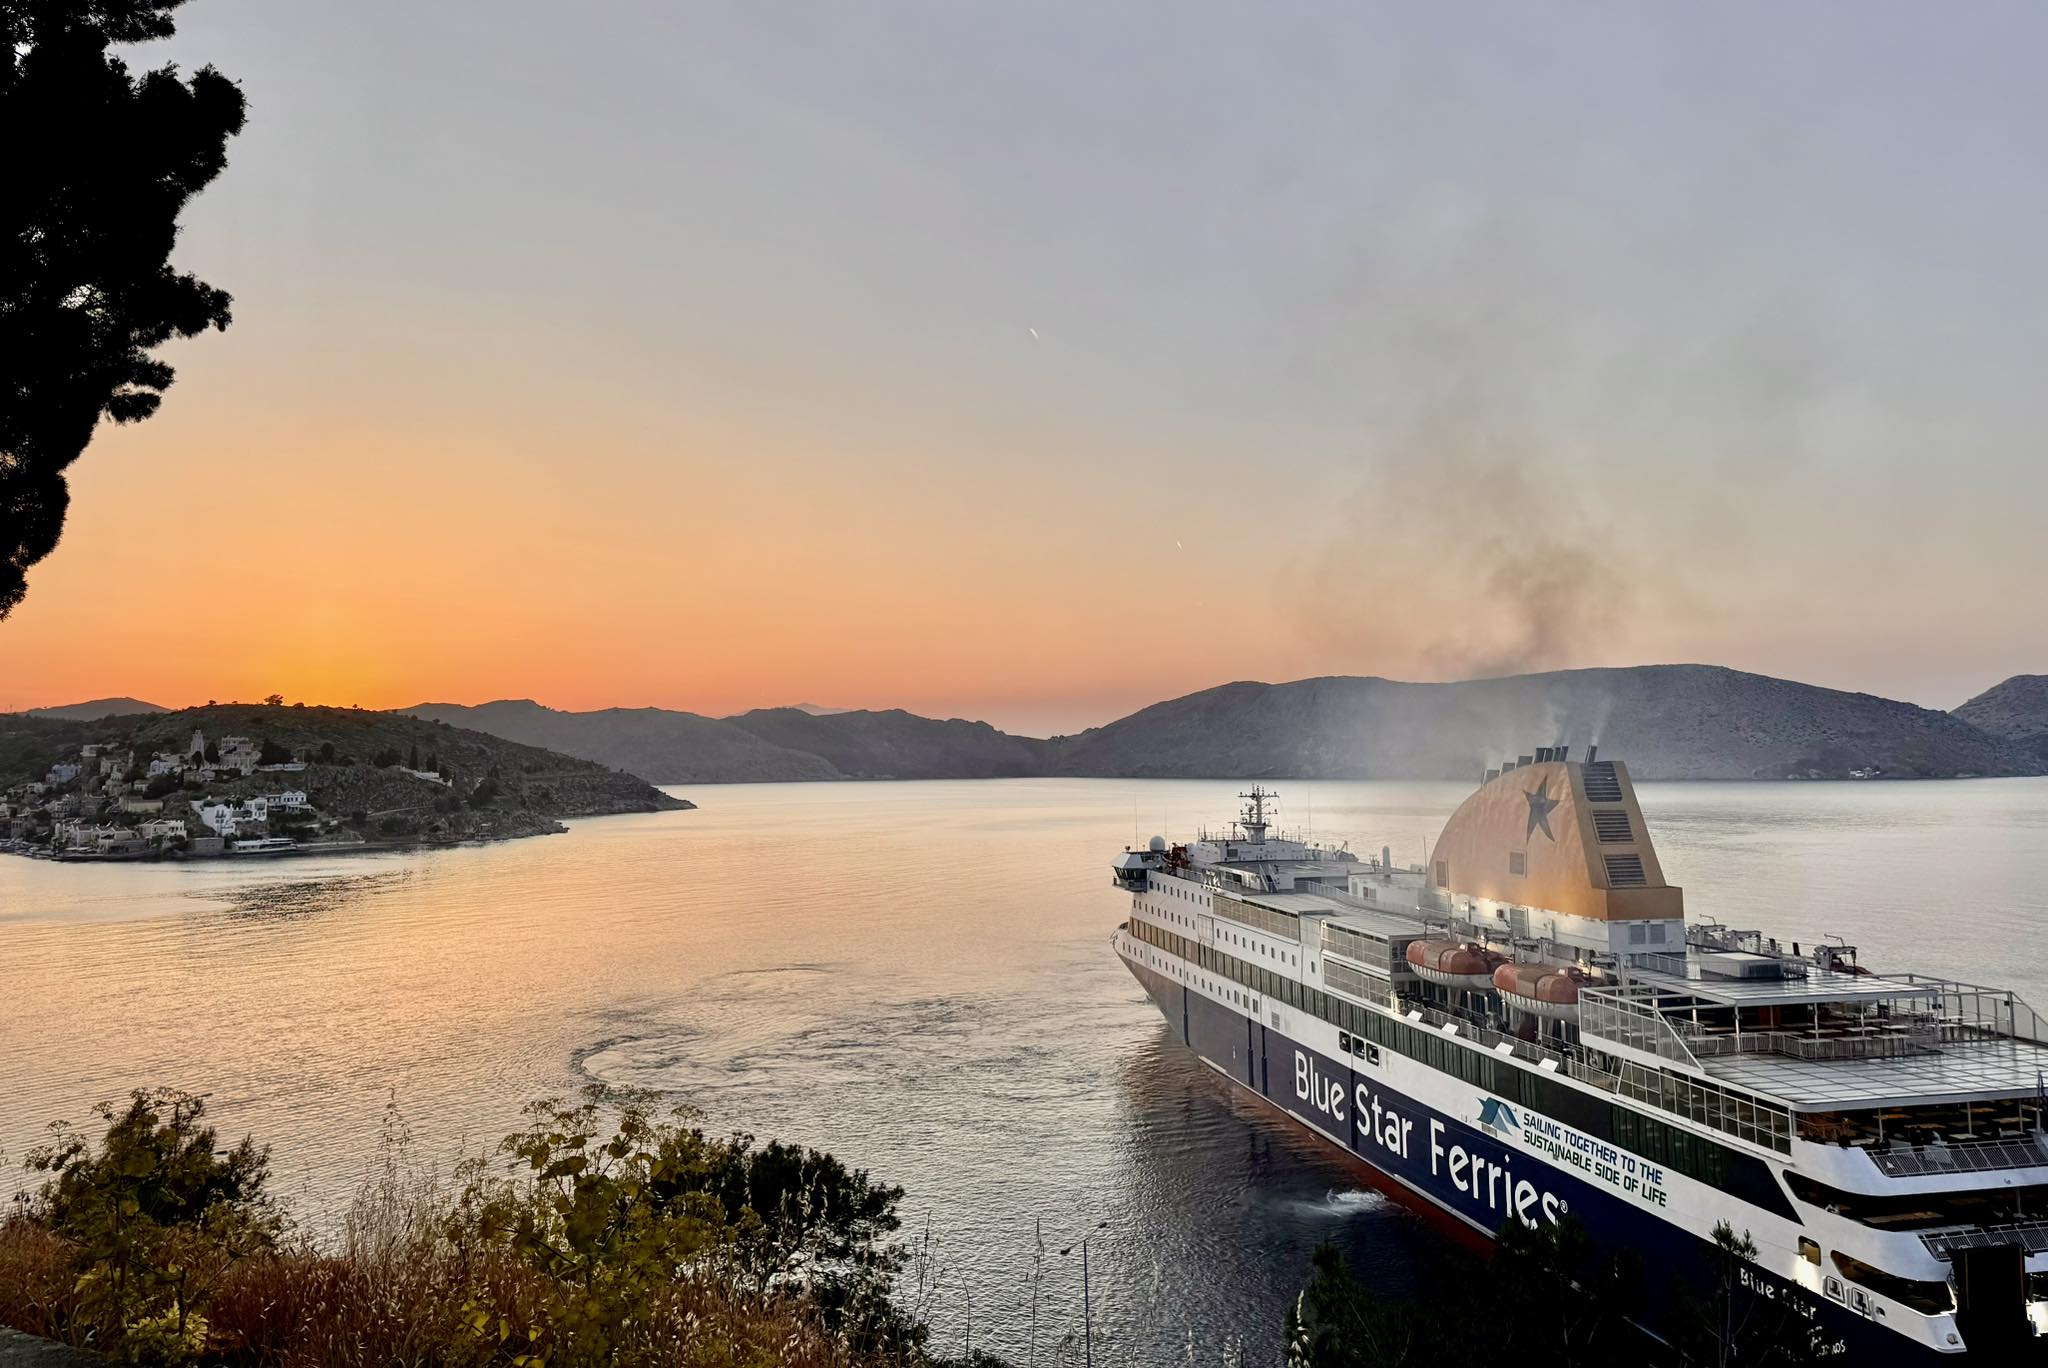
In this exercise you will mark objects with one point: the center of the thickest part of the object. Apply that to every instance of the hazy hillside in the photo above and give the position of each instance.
(899, 745)
(660, 746)
(97, 708)
(2016, 710)
(1667, 721)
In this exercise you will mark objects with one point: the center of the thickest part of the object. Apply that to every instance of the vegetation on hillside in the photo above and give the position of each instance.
(361, 771)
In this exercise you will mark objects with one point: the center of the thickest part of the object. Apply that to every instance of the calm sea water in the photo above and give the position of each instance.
(914, 976)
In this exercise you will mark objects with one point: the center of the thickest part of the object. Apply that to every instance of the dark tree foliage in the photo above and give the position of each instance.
(1727, 1325)
(1550, 1299)
(99, 165)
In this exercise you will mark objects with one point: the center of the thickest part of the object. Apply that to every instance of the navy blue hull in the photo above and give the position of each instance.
(1475, 1175)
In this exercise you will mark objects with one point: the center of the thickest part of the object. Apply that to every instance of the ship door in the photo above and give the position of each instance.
(1265, 1074)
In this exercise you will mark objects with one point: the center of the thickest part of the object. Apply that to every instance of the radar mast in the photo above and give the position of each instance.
(1254, 818)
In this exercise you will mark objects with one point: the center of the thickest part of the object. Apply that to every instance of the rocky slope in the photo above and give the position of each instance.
(2016, 710)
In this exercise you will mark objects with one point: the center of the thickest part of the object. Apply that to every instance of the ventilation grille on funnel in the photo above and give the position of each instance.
(1613, 827)
(1601, 785)
(1625, 871)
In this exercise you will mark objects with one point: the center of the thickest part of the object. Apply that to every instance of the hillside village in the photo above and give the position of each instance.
(149, 793)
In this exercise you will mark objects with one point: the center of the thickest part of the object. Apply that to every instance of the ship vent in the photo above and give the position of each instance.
(1601, 784)
(1625, 871)
(1613, 827)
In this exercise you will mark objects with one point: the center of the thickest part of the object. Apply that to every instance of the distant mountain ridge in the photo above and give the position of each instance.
(1667, 721)
(94, 709)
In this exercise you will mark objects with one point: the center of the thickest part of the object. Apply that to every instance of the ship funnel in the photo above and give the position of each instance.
(1564, 752)
(1386, 857)
(1592, 751)
(1522, 760)
(1491, 775)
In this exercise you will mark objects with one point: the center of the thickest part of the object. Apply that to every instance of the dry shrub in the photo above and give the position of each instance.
(38, 1285)
(413, 1280)
(302, 1309)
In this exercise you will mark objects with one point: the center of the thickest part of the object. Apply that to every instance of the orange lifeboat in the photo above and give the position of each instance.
(1453, 963)
(1544, 990)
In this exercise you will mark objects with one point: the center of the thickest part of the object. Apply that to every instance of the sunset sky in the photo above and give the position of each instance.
(1033, 362)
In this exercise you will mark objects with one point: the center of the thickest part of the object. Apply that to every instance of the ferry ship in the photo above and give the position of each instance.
(1527, 1027)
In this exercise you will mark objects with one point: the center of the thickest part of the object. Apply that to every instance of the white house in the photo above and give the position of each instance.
(291, 800)
(161, 829)
(219, 818)
(62, 773)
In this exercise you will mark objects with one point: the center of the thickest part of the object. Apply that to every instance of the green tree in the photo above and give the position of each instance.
(89, 207)
(412, 757)
(270, 753)
(155, 1216)
(614, 1210)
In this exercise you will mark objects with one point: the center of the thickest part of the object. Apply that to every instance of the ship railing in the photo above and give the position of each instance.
(1629, 1016)
(2032, 1236)
(1971, 1012)
(1875, 1042)
(1962, 1156)
(1479, 1033)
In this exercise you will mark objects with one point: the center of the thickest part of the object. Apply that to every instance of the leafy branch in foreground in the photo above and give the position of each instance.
(154, 1217)
(89, 206)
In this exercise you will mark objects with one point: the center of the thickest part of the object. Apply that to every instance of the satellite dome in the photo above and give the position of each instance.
(1157, 845)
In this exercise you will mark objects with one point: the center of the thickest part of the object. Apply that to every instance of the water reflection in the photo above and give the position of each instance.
(914, 976)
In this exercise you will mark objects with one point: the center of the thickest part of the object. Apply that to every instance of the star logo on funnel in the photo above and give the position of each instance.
(1540, 804)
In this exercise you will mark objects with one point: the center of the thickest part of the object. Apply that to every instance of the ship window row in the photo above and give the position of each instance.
(1673, 1147)
(1273, 923)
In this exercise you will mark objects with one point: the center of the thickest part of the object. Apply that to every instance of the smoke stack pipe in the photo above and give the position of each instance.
(1592, 751)
(1564, 752)
(1522, 760)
